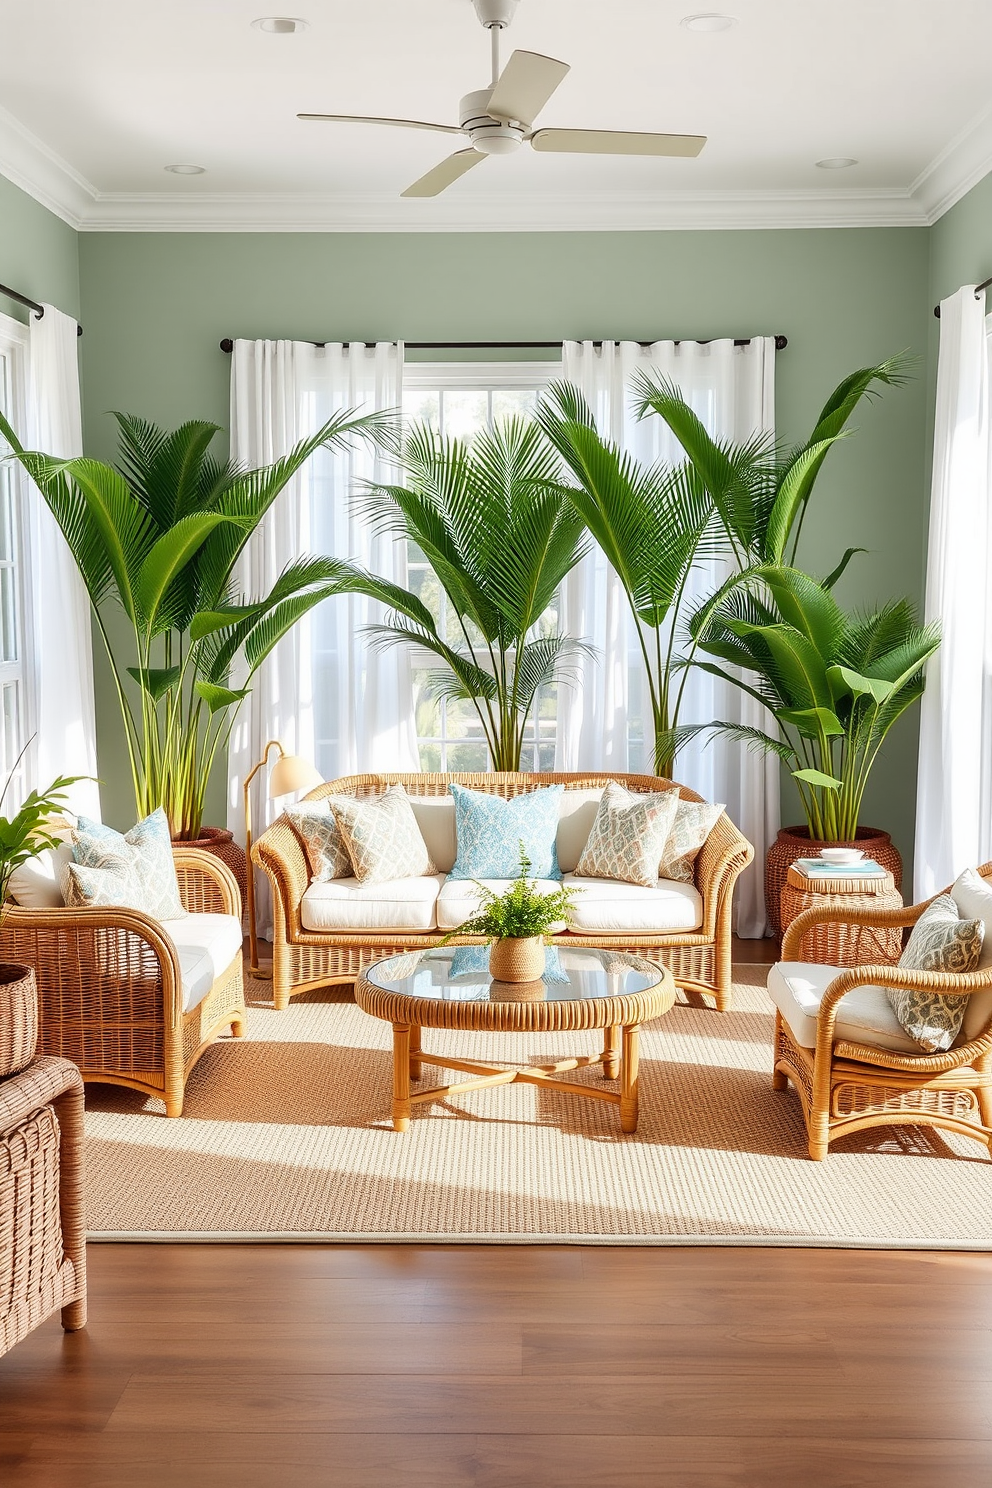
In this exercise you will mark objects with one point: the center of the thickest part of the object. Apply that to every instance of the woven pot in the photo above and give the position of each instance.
(18, 1017)
(795, 842)
(220, 842)
(517, 959)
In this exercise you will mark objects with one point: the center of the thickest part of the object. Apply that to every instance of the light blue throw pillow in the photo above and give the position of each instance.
(490, 830)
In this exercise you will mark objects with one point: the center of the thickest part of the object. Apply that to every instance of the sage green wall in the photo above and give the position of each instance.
(961, 243)
(156, 305)
(39, 254)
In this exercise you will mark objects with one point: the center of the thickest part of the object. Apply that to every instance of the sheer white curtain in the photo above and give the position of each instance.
(604, 718)
(60, 681)
(954, 789)
(324, 692)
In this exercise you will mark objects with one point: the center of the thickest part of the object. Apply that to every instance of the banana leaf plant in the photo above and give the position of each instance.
(834, 685)
(500, 536)
(158, 537)
(654, 524)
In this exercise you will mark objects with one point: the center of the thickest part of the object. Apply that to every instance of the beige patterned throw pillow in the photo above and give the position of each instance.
(628, 836)
(940, 941)
(694, 821)
(382, 836)
(317, 826)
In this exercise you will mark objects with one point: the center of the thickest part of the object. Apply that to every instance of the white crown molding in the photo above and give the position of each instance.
(963, 162)
(49, 179)
(196, 212)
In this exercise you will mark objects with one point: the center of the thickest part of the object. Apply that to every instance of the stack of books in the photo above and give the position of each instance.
(817, 868)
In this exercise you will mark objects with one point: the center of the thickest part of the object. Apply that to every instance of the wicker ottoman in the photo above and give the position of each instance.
(843, 945)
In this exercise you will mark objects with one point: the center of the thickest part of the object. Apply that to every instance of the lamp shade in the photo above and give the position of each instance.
(291, 773)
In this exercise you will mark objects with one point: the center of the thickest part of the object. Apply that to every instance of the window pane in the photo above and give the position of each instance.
(8, 615)
(466, 411)
(471, 757)
(423, 407)
(508, 402)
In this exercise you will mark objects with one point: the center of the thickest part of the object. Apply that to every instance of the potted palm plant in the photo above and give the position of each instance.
(22, 836)
(834, 686)
(517, 922)
(500, 535)
(158, 536)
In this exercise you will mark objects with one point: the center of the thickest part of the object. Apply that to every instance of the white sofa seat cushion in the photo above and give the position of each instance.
(460, 899)
(865, 1016)
(384, 904)
(207, 944)
(605, 906)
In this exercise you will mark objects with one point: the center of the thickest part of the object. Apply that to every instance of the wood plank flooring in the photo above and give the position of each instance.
(402, 1366)
(509, 1367)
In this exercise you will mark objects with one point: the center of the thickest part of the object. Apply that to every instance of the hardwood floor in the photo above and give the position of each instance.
(509, 1367)
(402, 1366)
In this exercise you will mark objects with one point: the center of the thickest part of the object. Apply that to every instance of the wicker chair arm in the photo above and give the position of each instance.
(44, 1080)
(50, 933)
(960, 984)
(721, 860)
(280, 854)
(206, 885)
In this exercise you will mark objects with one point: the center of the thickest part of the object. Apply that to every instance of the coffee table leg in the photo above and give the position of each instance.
(611, 1053)
(628, 1079)
(401, 1077)
(415, 1066)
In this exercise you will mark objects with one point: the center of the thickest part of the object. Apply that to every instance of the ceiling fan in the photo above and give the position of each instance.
(499, 119)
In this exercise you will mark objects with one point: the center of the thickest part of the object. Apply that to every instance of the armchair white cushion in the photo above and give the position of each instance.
(865, 1016)
(207, 944)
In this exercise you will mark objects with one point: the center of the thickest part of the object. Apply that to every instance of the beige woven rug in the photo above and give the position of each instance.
(286, 1136)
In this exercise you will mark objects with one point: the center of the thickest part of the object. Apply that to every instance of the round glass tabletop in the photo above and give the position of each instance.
(461, 974)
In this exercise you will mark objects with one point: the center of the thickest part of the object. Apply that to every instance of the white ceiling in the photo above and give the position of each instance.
(96, 98)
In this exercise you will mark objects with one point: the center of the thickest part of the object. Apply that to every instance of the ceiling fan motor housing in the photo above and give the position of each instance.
(495, 12)
(488, 135)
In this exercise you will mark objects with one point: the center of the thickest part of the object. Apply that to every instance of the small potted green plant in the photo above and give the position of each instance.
(22, 836)
(518, 922)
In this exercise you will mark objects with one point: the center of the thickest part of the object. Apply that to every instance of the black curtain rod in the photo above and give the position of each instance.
(781, 342)
(39, 310)
(978, 289)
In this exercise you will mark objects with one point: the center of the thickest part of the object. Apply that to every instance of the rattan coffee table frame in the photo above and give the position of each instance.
(620, 1019)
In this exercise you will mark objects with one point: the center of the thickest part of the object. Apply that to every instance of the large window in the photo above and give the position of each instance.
(14, 704)
(461, 399)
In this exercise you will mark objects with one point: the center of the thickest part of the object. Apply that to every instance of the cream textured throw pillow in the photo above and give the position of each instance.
(132, 871)
(694, 821)
(628, 836)
(317, 826)
(382, 836)
(941, 941)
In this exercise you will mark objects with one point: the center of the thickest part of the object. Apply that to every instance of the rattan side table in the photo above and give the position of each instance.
(843, 945)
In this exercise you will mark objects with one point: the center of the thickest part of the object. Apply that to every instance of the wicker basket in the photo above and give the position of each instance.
(18, 1017)
(517, 959)
(220, 842)
(795, 842)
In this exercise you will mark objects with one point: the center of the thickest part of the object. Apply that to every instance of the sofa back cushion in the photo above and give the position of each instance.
(576, 814)
(973, 896)
(436, 820)
(40, 882)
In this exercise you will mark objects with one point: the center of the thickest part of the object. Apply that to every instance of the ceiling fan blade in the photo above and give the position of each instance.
(616, 142)
(525, 85)
(372, 119)
(445, 174)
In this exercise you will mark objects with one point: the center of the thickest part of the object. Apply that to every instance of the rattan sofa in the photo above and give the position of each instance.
(110, 984)
(845, 1085)
(305, 959)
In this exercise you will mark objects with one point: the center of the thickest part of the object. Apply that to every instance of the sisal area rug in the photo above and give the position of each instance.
(286, 1136)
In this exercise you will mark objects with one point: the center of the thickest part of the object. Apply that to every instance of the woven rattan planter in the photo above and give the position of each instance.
(18, 1017)
(220, 842)
(517, 959)
(795, 842)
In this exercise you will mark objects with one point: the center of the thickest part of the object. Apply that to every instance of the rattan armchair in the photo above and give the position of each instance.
(110, 995)
(42, 1221)
(845, 1086)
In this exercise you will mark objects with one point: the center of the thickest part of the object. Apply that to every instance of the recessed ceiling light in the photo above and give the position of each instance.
(709, 22)
(187, 170)
(836, 162)
(280, 25)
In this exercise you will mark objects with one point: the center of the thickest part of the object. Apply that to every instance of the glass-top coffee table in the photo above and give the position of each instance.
(450, 987)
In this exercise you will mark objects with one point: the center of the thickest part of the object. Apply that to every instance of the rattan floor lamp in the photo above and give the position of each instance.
(290, 773)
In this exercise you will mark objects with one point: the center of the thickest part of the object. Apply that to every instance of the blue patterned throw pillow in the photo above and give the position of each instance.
(132, 871)
(490, 830)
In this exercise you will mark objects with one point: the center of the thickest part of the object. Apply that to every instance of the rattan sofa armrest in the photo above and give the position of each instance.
(825, 914)
(206, 884)
(280, 854)
(61, 923)
(44, 1080)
